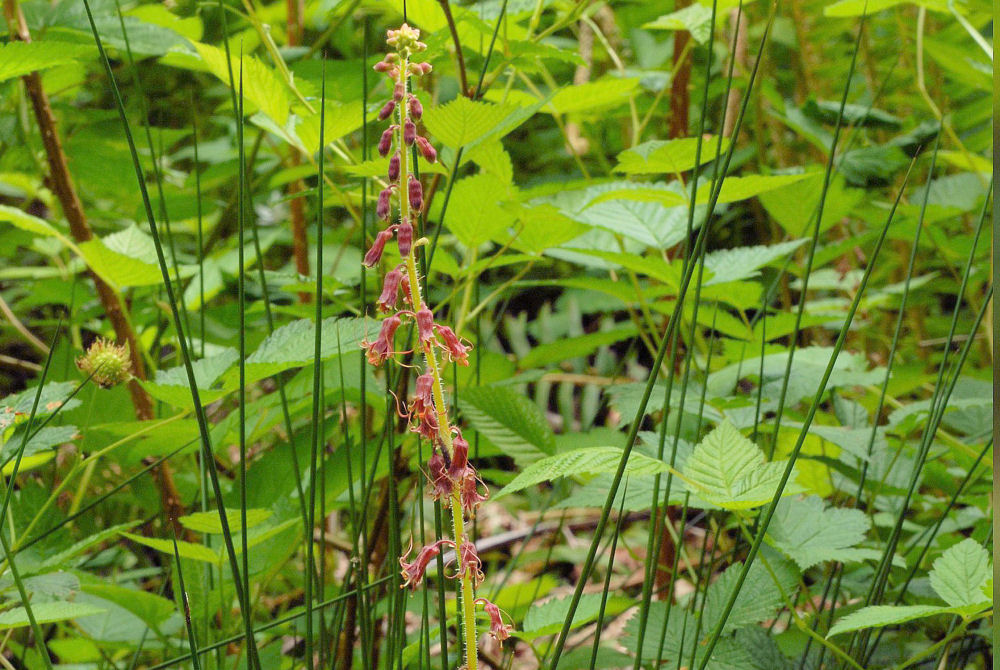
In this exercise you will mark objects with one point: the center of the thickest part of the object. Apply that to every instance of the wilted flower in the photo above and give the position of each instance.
(107, 363)
(390, 289)
(469, 564)
(459, 455)
(413, 572)
(453, 347)
(374, 254)
(437, 473)
(425, 325)
(469, 491)
(382, 347)
(498, 629)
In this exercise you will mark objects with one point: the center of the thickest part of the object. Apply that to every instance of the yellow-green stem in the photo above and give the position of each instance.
(467, 610)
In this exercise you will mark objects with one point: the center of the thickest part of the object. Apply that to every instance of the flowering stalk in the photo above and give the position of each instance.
(452, 479)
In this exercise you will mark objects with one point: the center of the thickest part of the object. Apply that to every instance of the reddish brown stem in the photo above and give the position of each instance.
(680, 95)
(62, 185)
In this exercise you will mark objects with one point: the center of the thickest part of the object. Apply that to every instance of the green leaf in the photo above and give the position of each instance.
(735, 189)
(340, 119)
(261, 86)
(729, 265)
(126, 258)
(474, 213)
(809, 533)
(61, 559)
(548, 617)
(196, 552)
(959, 574)
(587, 461)
(510, 421)
(462, 122)
(573, 347)
(20, 58)
(47, 613)
(878, 616)
(760, 595)
(667, 157)
(592, 95)
(696, 19)
(543, 227)
(292, 346)
(849, 8)
(151, 608)
(209, 522)
(728, 470)
(21, 219)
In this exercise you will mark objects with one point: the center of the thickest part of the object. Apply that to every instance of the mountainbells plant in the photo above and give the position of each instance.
(452, 480)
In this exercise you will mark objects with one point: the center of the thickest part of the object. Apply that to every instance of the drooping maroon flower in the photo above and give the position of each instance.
(420, 69)
(383, 209)
(398, 91)
(385, 142)
(459, 455)
(382, 347)
(404, 238)
(393, 172)
(498, 629)
(469, 492)
(469, 564)
(416, 109)
(413, 572)
(453, 347)
(437, 473)
(390, 290)
(374, 254)
(429, 153)
(426, 425)
(416, 193)
(383, 65)
(425, 325)
(405, 288)
(387, 110)
(409, 132)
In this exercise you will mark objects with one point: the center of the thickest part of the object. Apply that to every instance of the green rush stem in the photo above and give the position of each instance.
(206, 440)
(467, 611)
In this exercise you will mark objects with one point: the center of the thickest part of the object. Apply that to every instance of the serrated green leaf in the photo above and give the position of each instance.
(728, 265)
(735, 189)
(462, 121)
(728, 470)
(878, 616)
(21, 219)
(809, 533)
(209, 522)
(959, 574)
(592, 95)
(126, 258)
(587, 461)
(47, 613)
(760, 595)
(261, 86)
(696, 19)
(510, 421)
(152, 609)
(548, 617)
(196, 552)
(667, 157)
(474, 212)
(20, 58)
(572, 347)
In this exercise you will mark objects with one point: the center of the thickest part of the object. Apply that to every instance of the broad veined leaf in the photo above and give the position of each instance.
(728, 265)
(696, 19)
(548, 617)
(21, 219)
(668, 156)
(171, 385)
(592, 95)
(20, 58)
(728, 470)
(759, 597)
(475, 214)
(196, 552)
(959, 574)
(62, 559)
(47, 613)
(809, 533)
(209, 522)
(151, 608)
(572, 347)
(462, 122)
(510, 421)
(848, 8)
(878, 616)
(543, 227)
(734, 189)
(126, 258)
(591, 460)
(261, 86)
(292, 346)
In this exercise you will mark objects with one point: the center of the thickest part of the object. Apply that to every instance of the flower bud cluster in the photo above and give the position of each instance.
(107, 363)
(451, 478)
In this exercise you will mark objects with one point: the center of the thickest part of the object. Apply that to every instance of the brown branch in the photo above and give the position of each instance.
(680, 94)
(462, 79)
(62, 185)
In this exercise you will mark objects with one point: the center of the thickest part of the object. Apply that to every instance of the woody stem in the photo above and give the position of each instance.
(468, 613)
